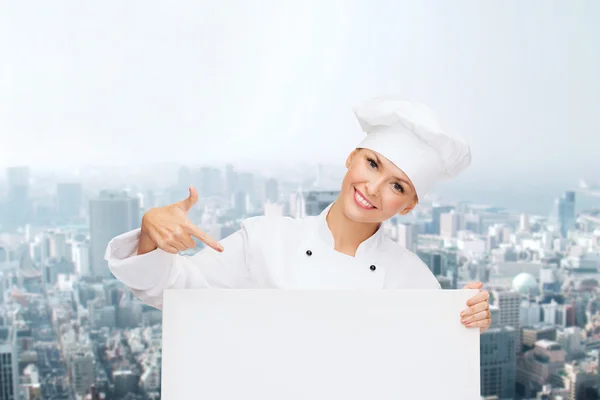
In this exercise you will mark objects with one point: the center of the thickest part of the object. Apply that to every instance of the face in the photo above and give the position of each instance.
(374, 189)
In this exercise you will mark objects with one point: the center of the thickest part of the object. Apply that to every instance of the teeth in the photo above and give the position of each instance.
(363, 201)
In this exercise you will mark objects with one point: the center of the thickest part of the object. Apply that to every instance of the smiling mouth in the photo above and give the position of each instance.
(361, 201)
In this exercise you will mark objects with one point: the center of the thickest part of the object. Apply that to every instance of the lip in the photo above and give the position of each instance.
(364, 197)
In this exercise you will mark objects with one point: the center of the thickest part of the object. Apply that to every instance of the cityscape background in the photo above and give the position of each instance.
(69, 330)
(109, 109)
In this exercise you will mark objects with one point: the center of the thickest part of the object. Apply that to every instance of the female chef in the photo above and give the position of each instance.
(403, 154)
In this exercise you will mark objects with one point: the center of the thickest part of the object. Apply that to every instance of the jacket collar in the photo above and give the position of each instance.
(371, 244)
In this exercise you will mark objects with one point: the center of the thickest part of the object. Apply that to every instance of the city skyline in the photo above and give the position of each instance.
(53, 261)
(530, 197)
(517, 81)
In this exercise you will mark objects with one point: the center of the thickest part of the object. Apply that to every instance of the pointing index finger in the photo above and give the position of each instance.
(197, 232)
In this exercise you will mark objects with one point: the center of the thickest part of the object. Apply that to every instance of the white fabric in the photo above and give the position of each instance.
(409, 135)
(270, 252)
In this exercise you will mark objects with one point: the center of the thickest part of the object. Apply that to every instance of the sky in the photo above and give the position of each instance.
(196, 82)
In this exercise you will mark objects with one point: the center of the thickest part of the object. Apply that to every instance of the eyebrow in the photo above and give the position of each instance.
(400, 179)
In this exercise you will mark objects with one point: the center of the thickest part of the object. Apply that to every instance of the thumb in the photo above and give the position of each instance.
(189, 202)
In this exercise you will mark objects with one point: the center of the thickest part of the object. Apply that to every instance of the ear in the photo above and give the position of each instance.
(408, 209)
(351, 157)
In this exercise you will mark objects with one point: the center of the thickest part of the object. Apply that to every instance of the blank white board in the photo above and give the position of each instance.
(299, 345)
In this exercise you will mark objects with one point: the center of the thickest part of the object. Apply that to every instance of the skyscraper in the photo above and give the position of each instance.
(436, 213)
(230, 180)
(567, 213)
(407, 235)
(441, 262)
(314, 202)
(209, 182)
(69, 199)
(83, 371)
(272, 190)
(449, 224)
(563, 213)
(18, 207)
(241, 204)
(498, 360)
(111, 213)
(9, 377)
(509, 304)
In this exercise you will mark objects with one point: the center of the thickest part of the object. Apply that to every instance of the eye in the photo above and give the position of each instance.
(372, 162)
(399, 187)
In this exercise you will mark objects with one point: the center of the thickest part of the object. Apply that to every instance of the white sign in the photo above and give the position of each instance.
(275, 344)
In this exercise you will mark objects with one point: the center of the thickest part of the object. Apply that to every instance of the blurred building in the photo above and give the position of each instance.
(498, 360)
(581, 382)
(83, 371)
(532, 334)
(537, 366)
(562, 216)
(548, 280)
(436, 214)
(59, 248)
(449, 224)
(509, 305)
(208, 182)
(18, 211)
(230, 180)
(314, 202)
(111, 214)
(126, 381)
(570, 340)
(69, 200)
(524, 225)
(441, 262)
(81, 257)
(407, 235)
(272, 190)
(9, 361)
(530, 313)
(241, 204)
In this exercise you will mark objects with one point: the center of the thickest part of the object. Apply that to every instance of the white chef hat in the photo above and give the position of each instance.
(408, 134)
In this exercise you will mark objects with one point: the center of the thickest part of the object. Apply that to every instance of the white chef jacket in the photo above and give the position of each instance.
(270, 252)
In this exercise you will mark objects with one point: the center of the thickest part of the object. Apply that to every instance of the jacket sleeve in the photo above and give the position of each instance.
(147, 275)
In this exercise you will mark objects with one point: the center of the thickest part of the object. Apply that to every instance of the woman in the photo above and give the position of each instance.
(404, 153)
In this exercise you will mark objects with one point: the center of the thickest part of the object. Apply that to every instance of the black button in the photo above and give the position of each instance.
(373, 268)
(308, 253)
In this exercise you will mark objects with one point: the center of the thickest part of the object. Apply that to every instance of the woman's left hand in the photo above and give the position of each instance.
(478, 314)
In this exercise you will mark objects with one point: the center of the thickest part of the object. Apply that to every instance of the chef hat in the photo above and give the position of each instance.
(408, 134)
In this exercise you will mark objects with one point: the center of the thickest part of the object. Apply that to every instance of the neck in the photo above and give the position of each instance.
(348, 234)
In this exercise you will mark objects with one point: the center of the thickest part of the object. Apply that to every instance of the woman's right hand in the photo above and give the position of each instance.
(170, 229)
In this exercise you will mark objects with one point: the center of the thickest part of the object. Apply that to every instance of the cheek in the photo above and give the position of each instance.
(361, 173)
(354, 175)
(394, 202)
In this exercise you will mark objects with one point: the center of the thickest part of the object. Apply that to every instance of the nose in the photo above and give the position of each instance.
(373, 188)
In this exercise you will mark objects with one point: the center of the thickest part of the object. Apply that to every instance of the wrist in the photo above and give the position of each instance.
(145, 243)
